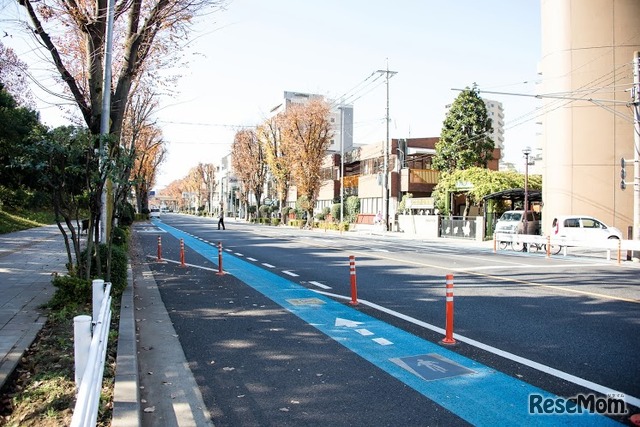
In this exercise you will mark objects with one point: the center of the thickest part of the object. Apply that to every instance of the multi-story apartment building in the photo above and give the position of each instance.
(496, 113)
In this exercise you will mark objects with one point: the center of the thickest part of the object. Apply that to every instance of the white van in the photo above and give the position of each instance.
(582, 227)
(512, 222)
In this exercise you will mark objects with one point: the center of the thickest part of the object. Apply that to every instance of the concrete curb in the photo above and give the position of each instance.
(126, 396)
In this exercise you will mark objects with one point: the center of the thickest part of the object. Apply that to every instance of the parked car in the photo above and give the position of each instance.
(154, 213)
(512, 222)
(582, 227)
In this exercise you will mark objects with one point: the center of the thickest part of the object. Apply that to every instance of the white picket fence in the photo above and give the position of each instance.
(614, 248)
(90, 348)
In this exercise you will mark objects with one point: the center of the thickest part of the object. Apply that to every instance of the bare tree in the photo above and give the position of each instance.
(208, 173)
(146, 34)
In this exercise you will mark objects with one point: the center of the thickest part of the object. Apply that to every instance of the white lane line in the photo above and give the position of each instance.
(238, 254)
(320, 285)
(364, 332)
(382, 341)
(268, 265)
(252, 259)
(186, 264)
(631, 400)
(515, 266)
(290, 273)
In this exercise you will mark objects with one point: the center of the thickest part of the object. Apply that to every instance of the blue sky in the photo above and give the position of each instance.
(244, 58)
(258, 49)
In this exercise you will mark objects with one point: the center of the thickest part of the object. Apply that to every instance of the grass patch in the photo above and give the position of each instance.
(17, 221)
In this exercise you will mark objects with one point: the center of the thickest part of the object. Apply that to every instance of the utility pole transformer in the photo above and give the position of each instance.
(385, 167)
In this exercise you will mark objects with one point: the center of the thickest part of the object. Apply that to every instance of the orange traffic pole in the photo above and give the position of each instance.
(182, 264)
(448, 339)
(354, 287)
(159, 249)
(220, 272)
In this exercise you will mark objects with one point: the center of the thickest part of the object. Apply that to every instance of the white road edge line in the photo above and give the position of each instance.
(631, 400)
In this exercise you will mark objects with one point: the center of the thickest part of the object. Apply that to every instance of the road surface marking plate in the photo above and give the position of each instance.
(431, 366)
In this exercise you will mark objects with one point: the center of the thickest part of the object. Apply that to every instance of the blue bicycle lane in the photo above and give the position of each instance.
(477, 393)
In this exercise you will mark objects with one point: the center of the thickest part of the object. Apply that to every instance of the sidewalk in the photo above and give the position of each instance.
(27, 261)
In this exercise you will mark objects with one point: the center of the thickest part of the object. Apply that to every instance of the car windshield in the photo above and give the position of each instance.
(511, 216)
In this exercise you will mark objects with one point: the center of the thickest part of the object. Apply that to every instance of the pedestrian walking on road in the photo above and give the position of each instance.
(221, 219)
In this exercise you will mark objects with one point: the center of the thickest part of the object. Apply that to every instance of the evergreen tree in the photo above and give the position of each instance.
(465, 141)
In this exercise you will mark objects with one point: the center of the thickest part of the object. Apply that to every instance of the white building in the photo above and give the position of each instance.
(496, 113)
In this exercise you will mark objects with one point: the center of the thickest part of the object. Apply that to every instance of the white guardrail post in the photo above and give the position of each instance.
(90, 350)
(609, 245)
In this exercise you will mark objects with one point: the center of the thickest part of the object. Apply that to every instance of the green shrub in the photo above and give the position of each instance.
(121, 237)
(352, 208)
(70, 292)
(127, 214)
(275, 221)
(335, 211)
(118, 267)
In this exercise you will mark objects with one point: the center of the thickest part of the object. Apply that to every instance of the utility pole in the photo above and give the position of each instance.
(105, 126)
(385, 167)
(636, 149)
(341, 162)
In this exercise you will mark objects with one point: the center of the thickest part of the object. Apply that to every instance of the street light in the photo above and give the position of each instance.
(526, 152)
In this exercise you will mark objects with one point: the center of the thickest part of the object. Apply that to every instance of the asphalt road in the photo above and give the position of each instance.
(256, 364)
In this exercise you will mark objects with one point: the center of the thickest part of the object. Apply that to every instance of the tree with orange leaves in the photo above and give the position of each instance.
(249, 163)
(270, 137)
(143, 142)
(306, 137)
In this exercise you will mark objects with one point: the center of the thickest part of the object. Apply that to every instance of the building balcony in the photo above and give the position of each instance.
(418, 180)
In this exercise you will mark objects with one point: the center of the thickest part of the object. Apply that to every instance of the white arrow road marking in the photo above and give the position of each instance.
(347, 323)
(434, 366)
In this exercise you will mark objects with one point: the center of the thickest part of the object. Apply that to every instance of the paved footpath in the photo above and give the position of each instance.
(27, 261)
